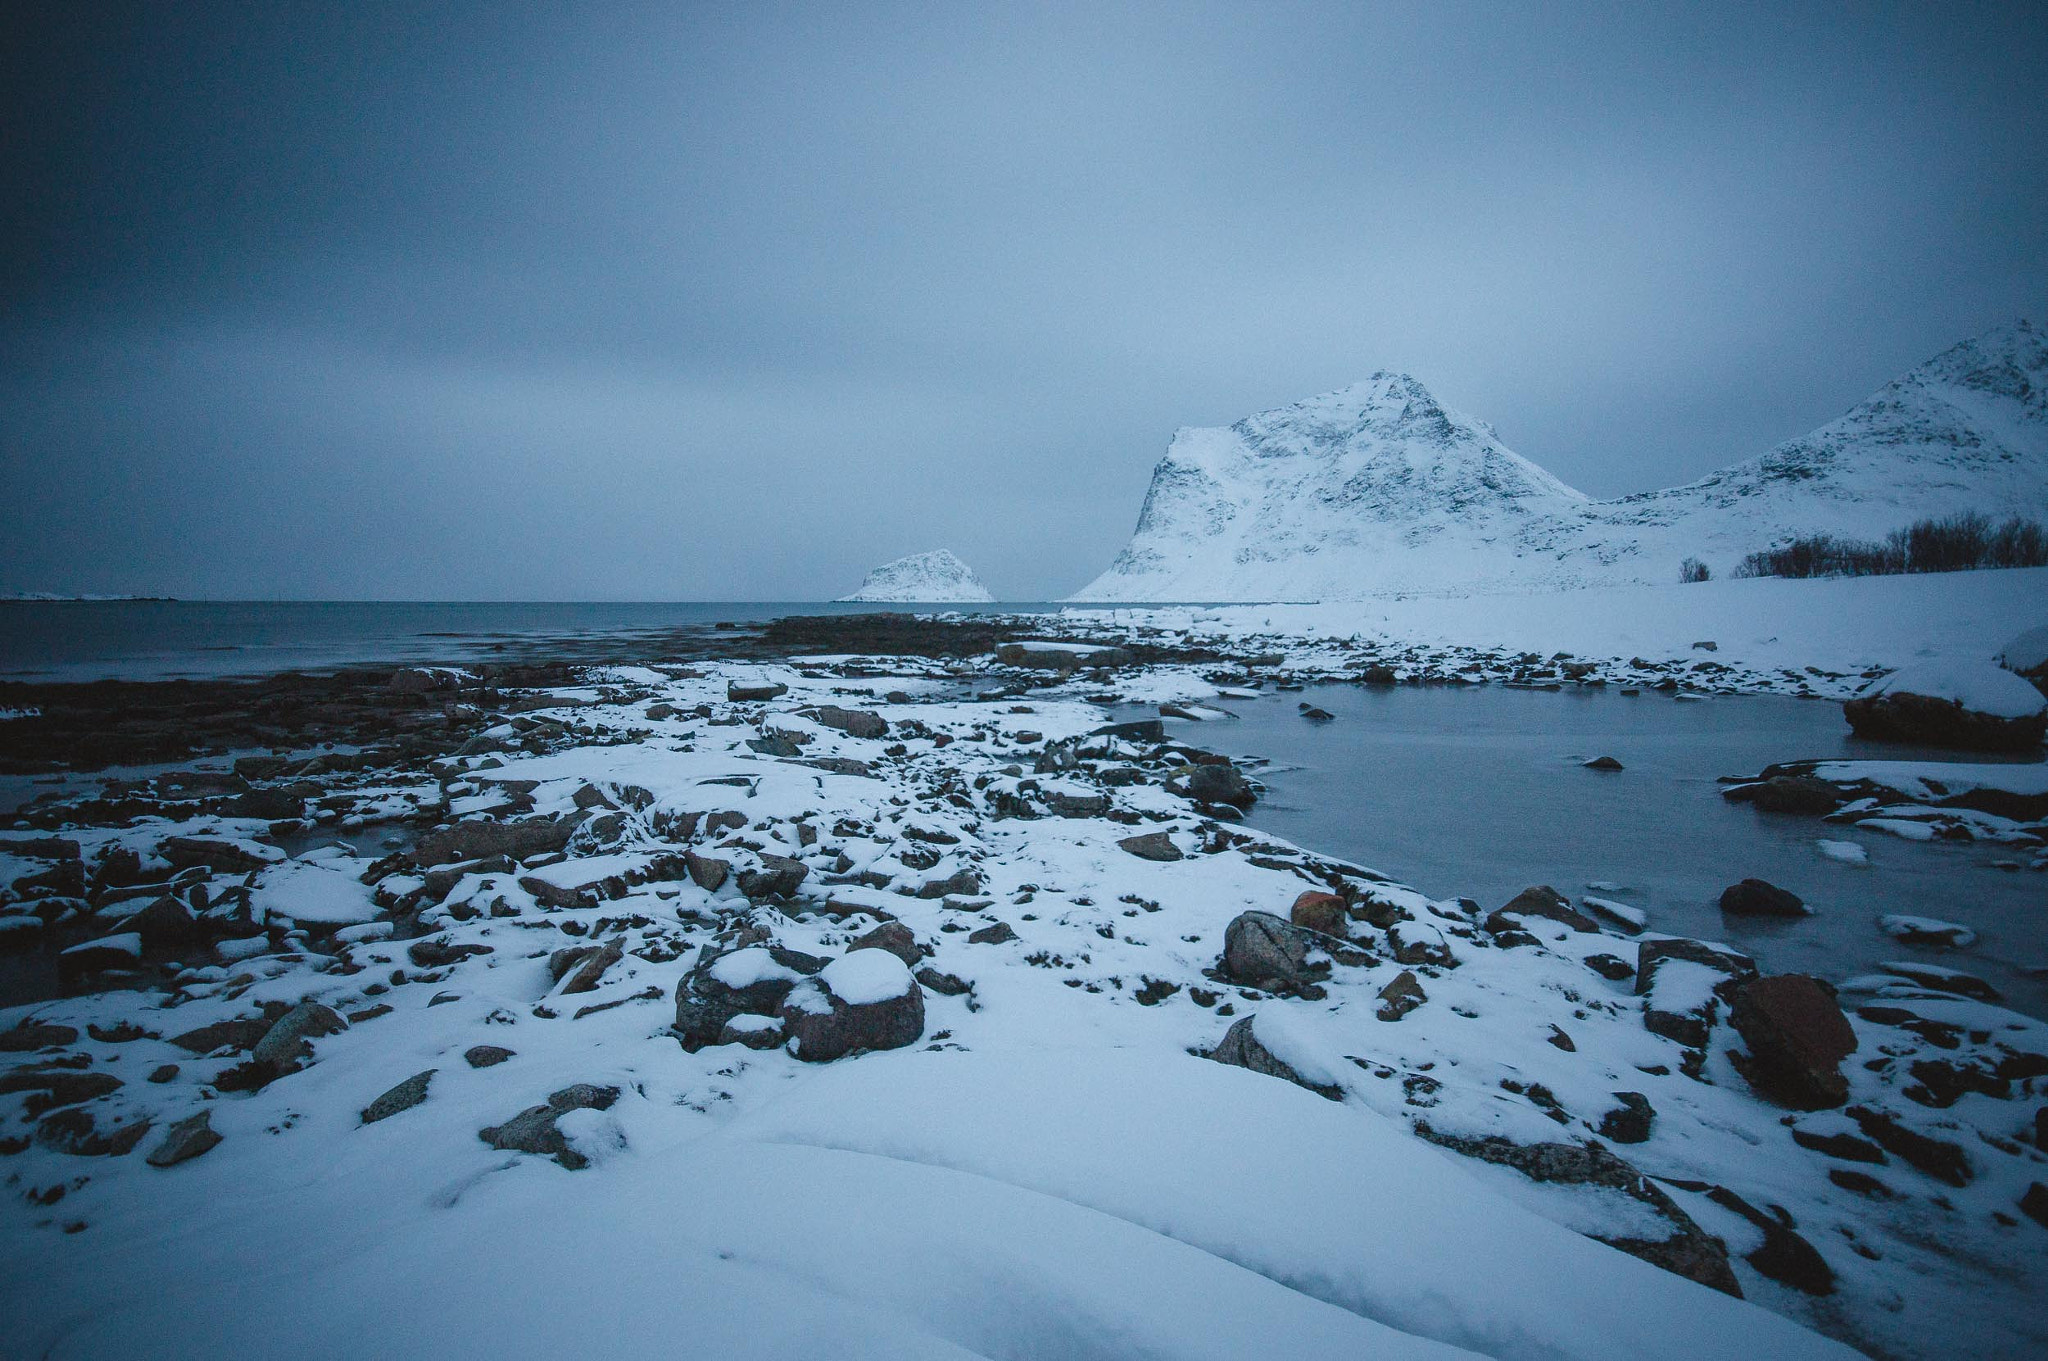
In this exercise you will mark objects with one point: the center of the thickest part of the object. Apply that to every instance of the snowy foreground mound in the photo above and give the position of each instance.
(1378, 489)
(923, 578)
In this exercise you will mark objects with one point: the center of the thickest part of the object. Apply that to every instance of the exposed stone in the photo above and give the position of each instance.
(285, 1044)
(1797, 1038)
(1262, 951)
(1318, 911)
(533, 1130)
(479, 838)
(74, 1131)
(1240, 1048)
(853, 722)
(1151, 846)
(894, 937)
(824, 1026)
(1690, 1251)
(1540, 901)
(1785, 1256)
(1938, 1158)
(778, 877)
(403, 1097)
(35, 1035)
(185, 1140)
(487, 1055)
(944, 984)
(706, 872)
(1756, 898)
(1802, 795)
(963, 883)
(2034, 1203)
(1602, 763)
(1651, 953)
(235, 1033)
(1219, 783)
(737, 693)
(997, 934)
(585, 972)
(1401, 996)
(52, 1086)
(1900, 716)
(1630, 1122)
(704, 1003)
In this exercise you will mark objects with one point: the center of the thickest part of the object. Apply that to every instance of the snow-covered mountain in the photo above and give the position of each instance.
(1377, 489)
(923, 577)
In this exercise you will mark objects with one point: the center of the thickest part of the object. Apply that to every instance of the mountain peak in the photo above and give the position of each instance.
(930, 577)
(1385, 406)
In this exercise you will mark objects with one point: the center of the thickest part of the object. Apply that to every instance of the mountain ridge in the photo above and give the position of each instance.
(1376, 488)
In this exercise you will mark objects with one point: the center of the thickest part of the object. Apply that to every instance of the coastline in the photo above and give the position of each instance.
(640, 814)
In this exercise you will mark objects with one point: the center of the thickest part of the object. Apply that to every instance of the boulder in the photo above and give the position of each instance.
(1319, 911)
(778, 877)
(1973, 706)
(1401, 996)
(1629, 1122)
(1151, 846)
(1242, 1048)
(1756, 898)
(706, 872)
(894, 937)
(1650, 954)
(185, 1140)
(403, 1097)
(1797, 1040)
(533, 1130)
(752, 980)
(28, 1035)
(853, 722)
(74, 1131)
(1262, 951)
(285, 1044)
(486, 1055)
(1804, 795)
(479, 839)
(739, 693)
(1539, 901)
(1218, 783)
(864, 1000)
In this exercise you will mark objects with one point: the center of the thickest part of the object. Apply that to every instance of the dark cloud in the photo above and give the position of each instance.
(480, 300)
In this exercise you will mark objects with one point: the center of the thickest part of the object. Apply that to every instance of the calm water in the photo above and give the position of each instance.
(1477, 792)
(160, 640)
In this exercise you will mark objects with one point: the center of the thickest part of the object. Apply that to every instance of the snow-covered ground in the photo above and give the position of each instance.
(1053, 1166)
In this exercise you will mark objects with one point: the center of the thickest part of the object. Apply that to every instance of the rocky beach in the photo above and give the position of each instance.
(854, 908)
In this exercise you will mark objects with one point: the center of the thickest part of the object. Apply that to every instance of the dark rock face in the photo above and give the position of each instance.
(2034, 1203)
(1629, 1122)
(1680, 1008)
(823, 1027)
(1607, 763)
(35, 1035)
(1041, 658)
(737, 693)
(1797, 794)
(1540, 902)
(285, 1044)
(1690, 1251)
(51, 1086)
(1151, 846)
(1219, 783)
(1785, 1257)
(403, 1097)
(235, 1033)
(944, 984)
(1240, 1048)
(704, 1004)
(1797, 1038)
(1262, 951)
(1401, 996)
(584, 966)
(74, 1131)
(533, 1129)
(778, 877)
(1141, 730)
(487, 1055)
(706, 872)
(894, 937)
(853, 722)
(1938, 1158)
(222, 857)
(1650, 953)
(185, 1140)
(963, 883)
(479, 839)
(998, 933)
(1324, 912)
(1904, 717)
(1756, 898)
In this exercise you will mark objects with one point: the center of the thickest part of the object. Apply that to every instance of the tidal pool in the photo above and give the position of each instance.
(1478, 791)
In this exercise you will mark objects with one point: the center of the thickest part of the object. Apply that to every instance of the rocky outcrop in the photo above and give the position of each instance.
(1757, 898)
(1797, 1038)
(1241, 1048)
(862, 1001)
(1970, 707)
(533, 1130)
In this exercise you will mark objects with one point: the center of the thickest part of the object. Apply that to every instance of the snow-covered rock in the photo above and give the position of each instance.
(1965, 704)
(936, 576)
(1377, 489)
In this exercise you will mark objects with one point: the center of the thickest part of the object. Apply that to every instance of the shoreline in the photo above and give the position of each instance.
(573, 848)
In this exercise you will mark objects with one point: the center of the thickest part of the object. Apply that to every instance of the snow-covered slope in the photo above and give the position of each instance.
(933, 576)
(1377, 489)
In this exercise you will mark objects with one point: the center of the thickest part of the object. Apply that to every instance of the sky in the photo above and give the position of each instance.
(673, 301)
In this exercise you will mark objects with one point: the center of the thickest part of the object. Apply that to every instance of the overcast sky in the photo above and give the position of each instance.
(605, 301)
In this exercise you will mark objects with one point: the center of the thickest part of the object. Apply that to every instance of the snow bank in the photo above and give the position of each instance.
(1977, 686)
